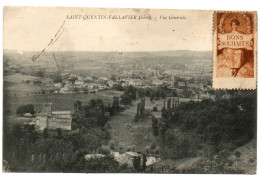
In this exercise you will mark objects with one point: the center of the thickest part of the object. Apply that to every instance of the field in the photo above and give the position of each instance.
(130, 136)
(139, 134)
(61, 102)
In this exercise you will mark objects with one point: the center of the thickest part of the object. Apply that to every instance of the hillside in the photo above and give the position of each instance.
(247, 159)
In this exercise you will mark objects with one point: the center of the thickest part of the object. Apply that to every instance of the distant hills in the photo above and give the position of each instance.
(184, 54)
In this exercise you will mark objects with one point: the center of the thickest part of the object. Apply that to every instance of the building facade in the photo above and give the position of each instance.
(53, 119)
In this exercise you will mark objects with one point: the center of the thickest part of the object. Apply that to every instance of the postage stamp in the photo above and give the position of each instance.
(234, 50)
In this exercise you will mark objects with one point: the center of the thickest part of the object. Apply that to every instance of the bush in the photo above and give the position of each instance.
(153, 146)
(155, 109)
(112, 144)
(121, 146)
(59, 133)
(157, 150)
(21, 110)
(133, 148)
(237, 154)
(128, 148)
(127, 126)
(147, 149)
(104, 150)
(45, 133)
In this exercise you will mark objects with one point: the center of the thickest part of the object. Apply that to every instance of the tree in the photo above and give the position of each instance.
(141, 93)
(17, 131)
(155, 109)
(73, 79)
(137, 163)
(57, 78)
(59, 133)
(40, 73)
(45, 133)
(144, 162)
(75, 89)
(169, 104)
(21, 110)
(29, 133)
(92, 103)
(112, 144)
(126, 99)
(147, 92)
(155, 126)
(78, 105)
(99, 102)
(85, 90)
(113, 77)
(104, 150)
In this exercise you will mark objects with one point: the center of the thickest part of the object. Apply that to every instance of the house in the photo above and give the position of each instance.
(168, 81)
(87, 79)
(53, 119)
(157, 82)
(64, 90)
(111, 83)
(58, 85)
(29, 115)
(181, 84)
(102, 87)
(79, 83)
(89, 157)
(126, 158)
(135, 82)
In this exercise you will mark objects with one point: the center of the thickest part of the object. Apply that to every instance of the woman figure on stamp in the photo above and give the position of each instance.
(234, 57)
(231, 57)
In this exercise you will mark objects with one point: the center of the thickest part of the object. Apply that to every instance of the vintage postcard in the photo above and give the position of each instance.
(99, 90)
(235, 41)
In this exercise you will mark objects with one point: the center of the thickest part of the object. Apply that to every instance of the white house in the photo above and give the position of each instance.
(157, 82)
(135, 82)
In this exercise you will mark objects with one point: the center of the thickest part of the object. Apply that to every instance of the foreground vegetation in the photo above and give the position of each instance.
(211, 129)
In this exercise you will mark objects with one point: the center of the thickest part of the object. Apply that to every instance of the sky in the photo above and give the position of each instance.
(32, 28)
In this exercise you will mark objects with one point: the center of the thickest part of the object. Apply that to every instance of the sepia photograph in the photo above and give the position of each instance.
(110, 90)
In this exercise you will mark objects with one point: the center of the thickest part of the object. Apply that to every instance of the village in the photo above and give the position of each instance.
(120, 100)
(78, 83)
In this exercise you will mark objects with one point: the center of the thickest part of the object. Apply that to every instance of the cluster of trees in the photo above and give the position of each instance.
(21, 110)
(167, 113)
(140, 111)
(139, 162)
(39, 73)
(157, 94)
(132, 93)
(57, 78)
(93, 114)
(115, 106)
(89, 115)
(129, 95)
(73, 79)
(28, 150)
(208, 128)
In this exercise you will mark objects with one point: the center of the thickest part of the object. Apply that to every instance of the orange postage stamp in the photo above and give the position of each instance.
(234, 50)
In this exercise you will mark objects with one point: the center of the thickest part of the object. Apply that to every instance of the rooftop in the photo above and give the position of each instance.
(61, 112)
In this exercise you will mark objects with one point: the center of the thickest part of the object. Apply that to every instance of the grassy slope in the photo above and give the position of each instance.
(142, 135)
(247, 160)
